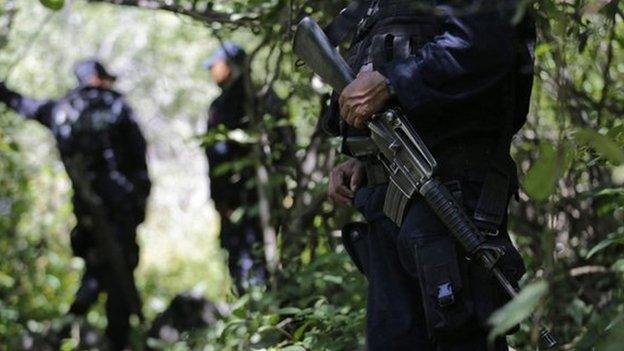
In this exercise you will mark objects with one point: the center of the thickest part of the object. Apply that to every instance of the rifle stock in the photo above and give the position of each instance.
(313, 47)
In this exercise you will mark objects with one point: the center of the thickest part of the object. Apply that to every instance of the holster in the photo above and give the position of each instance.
(355, 242)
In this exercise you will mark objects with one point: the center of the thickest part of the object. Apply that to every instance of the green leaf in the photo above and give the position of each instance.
(298, 334)
(333, 279)
(578, 309)
(541, 179)
(293, 348)
(6, 281)
(613, 341)
(618, 266)
(240, 307)
(603, 145)
(604, 244)
(517, 310)
(618, 175)
(608, 192)
(289, 310)
(521, 10)
(53, 4)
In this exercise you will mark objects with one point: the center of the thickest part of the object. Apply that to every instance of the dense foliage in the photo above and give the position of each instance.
(569, 222)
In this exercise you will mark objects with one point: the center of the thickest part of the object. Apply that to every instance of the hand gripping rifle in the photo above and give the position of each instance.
(408, 163)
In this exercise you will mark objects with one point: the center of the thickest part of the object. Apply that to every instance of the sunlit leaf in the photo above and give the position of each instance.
(297, 335)
(618, 266)
(289, 310)
(53, 4)
(603, 145)
(293, 348)
(6, 281)
(517, 310)
(520, 11)
(605, 244)
(613, 341)
(541, 179)
(618, 175)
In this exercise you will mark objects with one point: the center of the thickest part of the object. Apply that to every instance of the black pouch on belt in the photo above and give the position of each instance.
(446, 298)
(355, 242)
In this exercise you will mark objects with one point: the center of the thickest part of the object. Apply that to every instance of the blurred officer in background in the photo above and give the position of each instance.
(230, 186)
(232, 171)
(94, 124)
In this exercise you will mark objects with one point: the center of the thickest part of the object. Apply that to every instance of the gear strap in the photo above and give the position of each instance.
(493, 201)
(500, 180)
(346, 24)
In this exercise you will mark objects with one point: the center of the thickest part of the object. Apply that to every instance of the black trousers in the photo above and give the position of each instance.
(396, 317)
(99, 277)
(241, 240)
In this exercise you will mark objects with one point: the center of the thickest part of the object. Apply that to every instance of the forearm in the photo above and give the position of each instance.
(27, 107)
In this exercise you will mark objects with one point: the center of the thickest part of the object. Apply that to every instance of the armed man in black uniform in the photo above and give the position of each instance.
(462, 74)
(230, 188)
(103, 149)
(232, 172)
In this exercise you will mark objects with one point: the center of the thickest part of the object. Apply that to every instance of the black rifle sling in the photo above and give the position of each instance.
(493, 200)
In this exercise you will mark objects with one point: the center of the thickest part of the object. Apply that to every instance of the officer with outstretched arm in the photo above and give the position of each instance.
(461, 72)
(103, 149)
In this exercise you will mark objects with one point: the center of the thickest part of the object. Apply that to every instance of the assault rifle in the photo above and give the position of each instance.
(409, 165)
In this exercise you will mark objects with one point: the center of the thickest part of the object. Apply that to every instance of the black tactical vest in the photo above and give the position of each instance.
(387, 30)
(380, 31)
(85, 125)
(390, 30)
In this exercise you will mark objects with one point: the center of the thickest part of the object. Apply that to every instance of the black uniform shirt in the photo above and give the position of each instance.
(459, 71)
(233, 187)
(99, 126)
(228, 188)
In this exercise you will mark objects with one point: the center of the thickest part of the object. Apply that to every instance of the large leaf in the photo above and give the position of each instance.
(604, 244)
(618, 266)
(603, 145)
(541, 179)
(517, 310)
(613, 341)
(521, 10)
(53, 4)
(293, 348)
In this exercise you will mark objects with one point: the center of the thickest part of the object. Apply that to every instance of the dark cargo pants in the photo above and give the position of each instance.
(396, 318)
(241, 240)
(99, 277)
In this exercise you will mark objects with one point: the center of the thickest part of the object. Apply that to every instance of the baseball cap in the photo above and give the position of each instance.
(228, 51)
(85, 69)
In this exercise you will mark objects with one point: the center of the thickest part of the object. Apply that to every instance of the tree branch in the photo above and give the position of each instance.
(206, 16)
